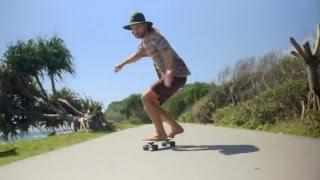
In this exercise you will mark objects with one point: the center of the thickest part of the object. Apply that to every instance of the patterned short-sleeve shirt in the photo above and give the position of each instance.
(154, 44)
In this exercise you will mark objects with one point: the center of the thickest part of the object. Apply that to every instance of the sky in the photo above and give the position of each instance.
(208, 34)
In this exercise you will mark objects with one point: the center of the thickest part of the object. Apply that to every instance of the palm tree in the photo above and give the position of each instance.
(26, 64)
(56, 58)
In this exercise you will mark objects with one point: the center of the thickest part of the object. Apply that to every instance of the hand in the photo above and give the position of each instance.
(168, 78)
(118, 67)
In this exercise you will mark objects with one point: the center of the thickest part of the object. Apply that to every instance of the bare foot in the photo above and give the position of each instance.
(156, 137)
(175, 131)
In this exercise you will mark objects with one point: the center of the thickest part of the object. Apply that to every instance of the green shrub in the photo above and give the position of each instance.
(266, 112)
(231, 115)
(312, 123)
(130, 106)
(287, 96)
(250, 114)
(203, 109)
(186, 97)
(134, 120)
(187, 117)
(219, 96)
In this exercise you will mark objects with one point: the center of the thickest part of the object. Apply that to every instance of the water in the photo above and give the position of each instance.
(35, 133)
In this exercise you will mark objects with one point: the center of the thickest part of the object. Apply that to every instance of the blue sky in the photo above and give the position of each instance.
(207, 34)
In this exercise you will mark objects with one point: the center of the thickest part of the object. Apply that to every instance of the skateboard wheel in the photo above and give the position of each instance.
(154, 147)
(164, 143)
(172, 143)
(146, 147)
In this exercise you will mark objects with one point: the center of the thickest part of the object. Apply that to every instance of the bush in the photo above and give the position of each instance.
(250, 114)
(203, 109)
(187, 117)
(312, 123)
(123, 110)
(134, 120)
(267, 108)
(266, 112)
(287, 96)
(232, 115)
(186, 97)
(219, 97)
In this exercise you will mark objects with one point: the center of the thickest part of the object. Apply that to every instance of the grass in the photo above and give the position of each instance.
(125, 125)
(28, 148)
(284, 127)
(293, 128)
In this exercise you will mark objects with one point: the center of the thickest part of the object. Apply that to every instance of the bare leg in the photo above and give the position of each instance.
(165, 117)
(151, 110)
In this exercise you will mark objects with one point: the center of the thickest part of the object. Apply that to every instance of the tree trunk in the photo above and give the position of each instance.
(41, 87)
(54, 90)
(314, 86)
(312, 61)
(313, 78)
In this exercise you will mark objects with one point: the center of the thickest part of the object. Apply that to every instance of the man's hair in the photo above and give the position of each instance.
(151, 28)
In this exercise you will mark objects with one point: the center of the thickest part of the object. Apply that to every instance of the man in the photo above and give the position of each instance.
(171, 70)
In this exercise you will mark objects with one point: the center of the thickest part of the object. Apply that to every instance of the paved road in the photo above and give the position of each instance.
(203, 152)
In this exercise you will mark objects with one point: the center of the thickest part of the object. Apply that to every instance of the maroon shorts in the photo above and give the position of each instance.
(165, 92)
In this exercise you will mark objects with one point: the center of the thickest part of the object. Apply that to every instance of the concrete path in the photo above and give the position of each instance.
(203, 152)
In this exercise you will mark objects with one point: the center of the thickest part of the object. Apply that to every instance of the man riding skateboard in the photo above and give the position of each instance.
(170, 68)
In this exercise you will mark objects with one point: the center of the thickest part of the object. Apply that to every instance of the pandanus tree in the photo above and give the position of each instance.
(23, 70)
(311, 59)
(18, 93)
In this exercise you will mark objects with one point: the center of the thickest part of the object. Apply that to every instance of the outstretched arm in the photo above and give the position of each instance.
(131, 59)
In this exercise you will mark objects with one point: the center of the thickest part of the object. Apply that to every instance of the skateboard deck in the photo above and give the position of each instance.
(152, 145)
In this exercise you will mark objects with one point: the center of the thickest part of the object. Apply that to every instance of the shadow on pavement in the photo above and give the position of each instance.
(223, 149)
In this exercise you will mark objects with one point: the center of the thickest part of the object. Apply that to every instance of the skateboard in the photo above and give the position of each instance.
(152, 145)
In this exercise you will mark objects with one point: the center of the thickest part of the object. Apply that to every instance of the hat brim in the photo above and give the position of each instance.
(128, 27)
